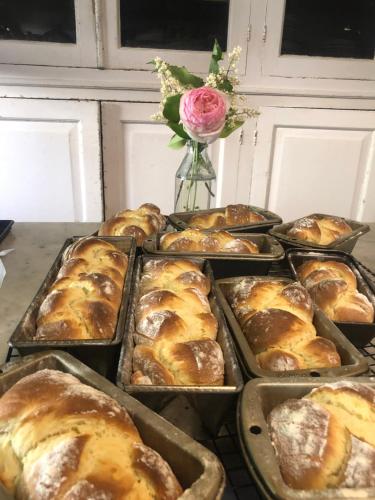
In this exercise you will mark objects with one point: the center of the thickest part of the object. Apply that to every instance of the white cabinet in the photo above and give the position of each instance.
(276, 63)
(29, 23)
(50, 160)
(139, 167)
(315, 160)
(117, 56)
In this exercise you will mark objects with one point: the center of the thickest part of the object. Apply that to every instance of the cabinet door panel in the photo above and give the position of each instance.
(50, 168)
(140, 168)
(116, 56)
(315, 161)
(311, 66)
(38, 35)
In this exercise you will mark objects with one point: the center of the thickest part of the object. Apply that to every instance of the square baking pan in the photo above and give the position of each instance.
(346, 243)
(198, 470)
(210, 402)
(226, 264)
(259, 397)
(180, 220)
(359, 334)
(353, 363)
(101, 354)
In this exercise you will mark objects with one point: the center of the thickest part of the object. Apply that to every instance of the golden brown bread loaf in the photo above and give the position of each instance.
(233, 215)
(333, 287)
(319, 230)
(326, 440)
(276, 320)
(84, 301)
(195, 240)
(63, 440)
(175, 330)
(139, 223)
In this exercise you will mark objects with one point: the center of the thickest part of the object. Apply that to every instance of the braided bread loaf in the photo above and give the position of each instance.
(139, 223)
(319, 230)
(175, 328)
(276, 319)
(63, 440)
(84, 300)
(233, 215)
(327, 439)
(333, 287)
(195, 240)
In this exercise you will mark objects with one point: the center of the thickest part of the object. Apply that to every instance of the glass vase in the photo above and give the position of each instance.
(195, 184)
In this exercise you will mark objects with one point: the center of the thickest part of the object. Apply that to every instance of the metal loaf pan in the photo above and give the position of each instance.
(226, 264)
(359, 334)
(102, 355)
(346, 243)
(259, 397)
(210, 402)
(353, 363)
(180, 220)
(199, 471)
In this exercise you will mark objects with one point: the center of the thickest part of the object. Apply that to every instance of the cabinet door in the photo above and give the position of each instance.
(180, 32)
(50, 161)
(140, 168)
(319, 39)
(314, 160)
(42, 32)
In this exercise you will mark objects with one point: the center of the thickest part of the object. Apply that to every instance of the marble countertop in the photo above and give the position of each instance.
(36, 246)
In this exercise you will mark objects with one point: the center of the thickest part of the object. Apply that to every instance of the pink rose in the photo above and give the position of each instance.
(202, 112)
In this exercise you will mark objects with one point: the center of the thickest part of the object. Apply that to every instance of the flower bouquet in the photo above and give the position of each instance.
(199, 112)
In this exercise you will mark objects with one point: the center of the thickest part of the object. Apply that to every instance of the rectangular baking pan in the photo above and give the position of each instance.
(346, 243)
(198, 470)
(353, 363)
(5, 227)
(210, 402)
(226, 264)
(259, 397)
(359, 334)
(180, 220)
(102, 355)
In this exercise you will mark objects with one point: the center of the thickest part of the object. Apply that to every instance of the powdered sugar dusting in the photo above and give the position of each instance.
(360, 469)
(151, 462)
(50, 472)
(299, 430)
(86, 490)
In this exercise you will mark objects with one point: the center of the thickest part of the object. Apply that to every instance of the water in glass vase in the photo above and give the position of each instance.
(195, 184)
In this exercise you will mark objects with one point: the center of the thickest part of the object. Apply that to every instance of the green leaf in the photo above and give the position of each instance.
(177, 142)
(216, 51)
(226, 86)
(227, 130)
(185, 77)
(171, 109)
(178, 129)
(216, 56)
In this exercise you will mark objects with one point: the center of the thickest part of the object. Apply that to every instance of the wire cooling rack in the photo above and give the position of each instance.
(240, 484)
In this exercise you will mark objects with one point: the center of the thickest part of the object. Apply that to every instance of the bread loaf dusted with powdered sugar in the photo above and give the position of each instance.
(326, 439)
(64, 440)
(175, 330)
(276, 320)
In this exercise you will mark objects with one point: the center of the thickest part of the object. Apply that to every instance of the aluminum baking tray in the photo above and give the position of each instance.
(198, 470)
(226, 264)
(180, 220)
(353, 363)
(346, 243)
(259, 397)
(101, 355)
(210, 402)
(359, 334)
